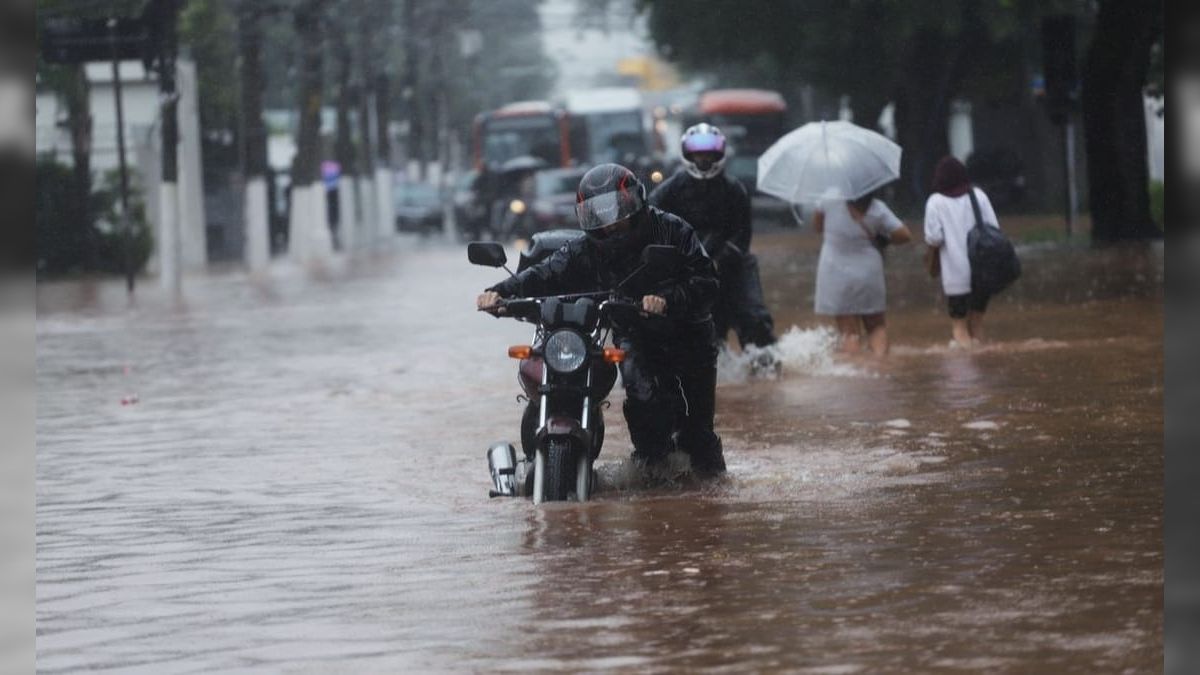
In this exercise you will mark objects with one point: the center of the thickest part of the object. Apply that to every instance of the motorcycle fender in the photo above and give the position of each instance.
(564, 426)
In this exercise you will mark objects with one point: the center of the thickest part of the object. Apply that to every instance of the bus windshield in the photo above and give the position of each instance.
(508, 137)
(750, 134)
(612, 137)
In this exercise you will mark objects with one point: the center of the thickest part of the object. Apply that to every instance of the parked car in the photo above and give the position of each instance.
(418, 207)
(470, 212)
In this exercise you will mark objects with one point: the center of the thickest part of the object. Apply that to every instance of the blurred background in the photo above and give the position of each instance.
(438, 117)
(168, 138)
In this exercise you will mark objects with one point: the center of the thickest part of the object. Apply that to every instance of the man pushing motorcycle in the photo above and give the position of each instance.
(669, 372)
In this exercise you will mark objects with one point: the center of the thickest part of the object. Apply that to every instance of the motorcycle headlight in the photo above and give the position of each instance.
(565, 351)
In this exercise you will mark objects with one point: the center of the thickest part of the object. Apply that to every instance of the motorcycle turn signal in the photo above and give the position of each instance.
(519, 351)
(612, 355)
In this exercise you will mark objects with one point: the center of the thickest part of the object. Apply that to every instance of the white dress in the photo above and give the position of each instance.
(947, 222)
(850, 270)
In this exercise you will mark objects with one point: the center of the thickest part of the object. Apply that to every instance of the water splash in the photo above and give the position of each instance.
(799, 351)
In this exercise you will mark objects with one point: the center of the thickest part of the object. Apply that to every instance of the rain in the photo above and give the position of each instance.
(270, 418)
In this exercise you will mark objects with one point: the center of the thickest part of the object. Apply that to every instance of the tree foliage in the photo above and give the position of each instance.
(920, 54)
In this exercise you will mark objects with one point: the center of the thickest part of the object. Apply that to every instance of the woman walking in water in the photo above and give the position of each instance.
(850, 284)
(949, 216)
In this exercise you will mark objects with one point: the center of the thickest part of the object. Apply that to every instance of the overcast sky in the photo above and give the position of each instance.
(582, 54)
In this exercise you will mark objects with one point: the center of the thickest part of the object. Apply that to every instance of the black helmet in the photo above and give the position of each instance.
(608, 194)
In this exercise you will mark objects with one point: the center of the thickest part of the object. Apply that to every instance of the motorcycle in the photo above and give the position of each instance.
(566, 374)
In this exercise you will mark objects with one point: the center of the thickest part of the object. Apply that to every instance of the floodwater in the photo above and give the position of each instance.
(288, 475)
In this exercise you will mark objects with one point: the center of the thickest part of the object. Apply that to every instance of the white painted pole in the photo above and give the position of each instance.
(258, 230)
(366, 196)
(347, 227)
(386, 214)
(298, 208)
(168, 241)
(320, 238)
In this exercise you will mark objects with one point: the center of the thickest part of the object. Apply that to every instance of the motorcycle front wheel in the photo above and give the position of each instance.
(560, 467)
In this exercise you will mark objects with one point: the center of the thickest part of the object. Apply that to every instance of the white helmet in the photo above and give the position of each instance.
(707, 139)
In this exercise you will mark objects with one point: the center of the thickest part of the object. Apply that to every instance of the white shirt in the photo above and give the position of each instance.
(947, 222)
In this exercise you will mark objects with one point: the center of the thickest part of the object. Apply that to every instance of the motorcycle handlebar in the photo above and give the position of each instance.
(527, 308)
(518, 308)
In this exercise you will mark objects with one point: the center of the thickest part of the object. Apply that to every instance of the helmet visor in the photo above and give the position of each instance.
(607, 208)
(704, 142)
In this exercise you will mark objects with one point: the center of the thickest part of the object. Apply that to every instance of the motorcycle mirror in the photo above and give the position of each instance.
(486, 253)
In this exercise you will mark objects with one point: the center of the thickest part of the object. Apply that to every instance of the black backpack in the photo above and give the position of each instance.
(994, 262)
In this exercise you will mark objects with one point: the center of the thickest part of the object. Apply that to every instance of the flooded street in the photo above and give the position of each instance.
(289, 475)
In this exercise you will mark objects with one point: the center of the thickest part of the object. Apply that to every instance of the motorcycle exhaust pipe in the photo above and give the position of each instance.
(502, 464)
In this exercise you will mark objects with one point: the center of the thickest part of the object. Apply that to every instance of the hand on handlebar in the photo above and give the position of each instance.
(654, 304)
(489, 301)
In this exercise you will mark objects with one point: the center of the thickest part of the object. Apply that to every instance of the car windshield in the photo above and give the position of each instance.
(417, 194)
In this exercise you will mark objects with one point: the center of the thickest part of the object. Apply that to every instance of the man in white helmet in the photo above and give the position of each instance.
(718, 207)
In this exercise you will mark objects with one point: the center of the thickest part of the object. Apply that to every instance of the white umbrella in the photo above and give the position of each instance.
(830, 160)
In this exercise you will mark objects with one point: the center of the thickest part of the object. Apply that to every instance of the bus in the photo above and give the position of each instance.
(526, 128)
(752, 119)
(612, 124)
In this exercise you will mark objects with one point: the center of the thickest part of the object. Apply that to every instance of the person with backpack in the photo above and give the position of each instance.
(966, 249)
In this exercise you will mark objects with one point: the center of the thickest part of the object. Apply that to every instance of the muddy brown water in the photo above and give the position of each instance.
(296, 482)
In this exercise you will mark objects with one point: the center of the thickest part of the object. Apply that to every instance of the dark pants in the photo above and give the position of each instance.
(960, 305)
(670, 392)
(740, 304)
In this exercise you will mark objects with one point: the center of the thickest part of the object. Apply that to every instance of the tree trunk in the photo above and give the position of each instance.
(79, 122)
(1114, 124)
(383, 117)
(344, 150)
(412, 86)
(256, 213)
(922, 109)
(309, 237)
(367, 53)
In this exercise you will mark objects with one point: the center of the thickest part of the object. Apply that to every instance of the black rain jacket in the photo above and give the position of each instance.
(717, 207)
(580, 267)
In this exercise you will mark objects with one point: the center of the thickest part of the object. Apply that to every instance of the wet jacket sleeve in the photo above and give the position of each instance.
(551, 276)
(740, 225)
(696, 287)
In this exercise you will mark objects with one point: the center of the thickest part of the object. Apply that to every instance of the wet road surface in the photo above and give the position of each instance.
(296, 482)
